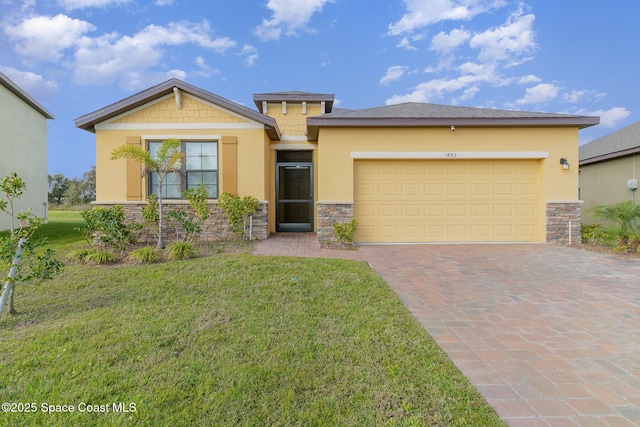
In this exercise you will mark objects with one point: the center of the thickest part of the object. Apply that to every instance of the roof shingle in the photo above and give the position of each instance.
(412, 114)
(620, 143)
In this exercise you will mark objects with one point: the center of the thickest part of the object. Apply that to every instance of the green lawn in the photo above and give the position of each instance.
(227, 340)
(61, 228)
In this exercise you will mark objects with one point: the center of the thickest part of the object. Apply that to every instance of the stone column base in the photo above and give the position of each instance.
(328, 213)
(563, 222)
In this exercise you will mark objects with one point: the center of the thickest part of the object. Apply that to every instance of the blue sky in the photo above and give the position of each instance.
(569, 56)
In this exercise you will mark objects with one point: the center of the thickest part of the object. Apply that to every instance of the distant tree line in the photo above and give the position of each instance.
(72, 191)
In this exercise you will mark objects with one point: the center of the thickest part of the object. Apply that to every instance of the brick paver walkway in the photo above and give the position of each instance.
(549, 335)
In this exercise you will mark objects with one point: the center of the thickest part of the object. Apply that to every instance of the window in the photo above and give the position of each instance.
(200, 167)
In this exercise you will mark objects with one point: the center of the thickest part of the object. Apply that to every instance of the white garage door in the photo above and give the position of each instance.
(447, 200)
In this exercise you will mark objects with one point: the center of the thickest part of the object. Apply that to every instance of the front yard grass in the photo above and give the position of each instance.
(227, 340)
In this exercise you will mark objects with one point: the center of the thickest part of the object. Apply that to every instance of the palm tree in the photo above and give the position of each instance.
(625, 215)
(168, 159)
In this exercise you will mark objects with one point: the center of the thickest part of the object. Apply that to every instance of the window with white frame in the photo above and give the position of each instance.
(199, 168)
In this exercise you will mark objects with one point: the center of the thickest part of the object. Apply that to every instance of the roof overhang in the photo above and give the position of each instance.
(609, 156)
(89, 121)
(17, 91)
(328, 99)
(315, 123)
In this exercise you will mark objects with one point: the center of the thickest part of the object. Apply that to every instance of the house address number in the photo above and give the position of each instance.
(450, 155)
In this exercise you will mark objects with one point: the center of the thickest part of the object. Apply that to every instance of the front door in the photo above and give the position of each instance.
(294, 191)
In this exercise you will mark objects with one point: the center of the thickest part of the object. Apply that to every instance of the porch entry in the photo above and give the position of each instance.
(294, 191)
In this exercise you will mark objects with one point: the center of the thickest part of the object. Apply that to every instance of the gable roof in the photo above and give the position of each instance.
(413, 114)
(620, 143)
(294, 96)
(88, 121)
(17, 90)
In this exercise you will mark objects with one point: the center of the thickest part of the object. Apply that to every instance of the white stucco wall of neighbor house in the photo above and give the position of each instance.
(23, 147)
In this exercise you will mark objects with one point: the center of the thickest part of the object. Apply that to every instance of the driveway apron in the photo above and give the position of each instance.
(549, 335)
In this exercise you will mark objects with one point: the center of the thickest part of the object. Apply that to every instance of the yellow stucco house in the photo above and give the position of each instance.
(408, 173)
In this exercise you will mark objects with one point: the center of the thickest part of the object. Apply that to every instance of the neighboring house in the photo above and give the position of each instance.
(609, 169)
(408, 173)
(23, 145)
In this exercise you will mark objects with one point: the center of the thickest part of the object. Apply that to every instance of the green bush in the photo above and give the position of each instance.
(188, 226)
(77, 254)
(345, 231)
(145, 255)
(236, 211)
(624, 227)
(98, 256)
(593, 233)
(108, 226)
(181, 250)
(150, 215)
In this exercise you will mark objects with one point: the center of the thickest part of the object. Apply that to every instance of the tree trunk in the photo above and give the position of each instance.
(7, 293)
(160, 244)
(11, 309)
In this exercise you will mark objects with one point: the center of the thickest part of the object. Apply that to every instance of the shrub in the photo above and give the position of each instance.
(108, 226)
(593, 233)
(98, 256)
(624, 217)
(189, 225)
(77, 254)
(345, 231)
(236, 211)
(145, 255)
(181, 250)
(150, 215)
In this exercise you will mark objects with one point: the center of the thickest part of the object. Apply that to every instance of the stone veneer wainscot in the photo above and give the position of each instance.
(328, 213)
(563, 216)
(213, 227)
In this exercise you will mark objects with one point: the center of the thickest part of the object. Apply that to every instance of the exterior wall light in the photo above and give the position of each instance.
(564, 163)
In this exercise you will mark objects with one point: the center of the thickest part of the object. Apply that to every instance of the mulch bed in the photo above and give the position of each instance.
(602, 249)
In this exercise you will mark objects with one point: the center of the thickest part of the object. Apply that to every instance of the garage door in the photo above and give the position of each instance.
(446, 200)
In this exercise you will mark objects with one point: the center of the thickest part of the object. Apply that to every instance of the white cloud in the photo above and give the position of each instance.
(110, 57)
(288, 16)
(83, 4)
(434, 89)
(574, 96)
(497, 48)
(179, 33)
(32, 83)
(513, 39)
(525, 80)
(612, 117)
(404, 43)
(205, 70)
(250, 55)
(445, 43)
(164, 2)
(472, 76)
(539, 94)
(421, 13)
(393, 74)
(44, 38)
(134, 80)
(467, 95)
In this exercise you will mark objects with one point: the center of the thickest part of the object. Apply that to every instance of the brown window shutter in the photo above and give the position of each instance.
(134, 172)
(229, 165)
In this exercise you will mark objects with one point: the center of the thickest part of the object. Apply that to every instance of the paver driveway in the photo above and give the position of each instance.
(549, 335)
